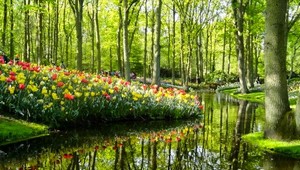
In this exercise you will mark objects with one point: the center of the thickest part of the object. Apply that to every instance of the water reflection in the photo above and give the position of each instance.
(213, 142)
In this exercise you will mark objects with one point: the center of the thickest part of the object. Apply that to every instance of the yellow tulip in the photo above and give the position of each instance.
(78, 94)
(2, 77)
(54, 96)
(44, 91)
(11, 89)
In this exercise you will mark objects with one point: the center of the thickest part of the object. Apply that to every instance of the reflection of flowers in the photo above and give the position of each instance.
(68, 156)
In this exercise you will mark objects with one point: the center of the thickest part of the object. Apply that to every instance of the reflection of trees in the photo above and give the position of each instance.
(216, 144)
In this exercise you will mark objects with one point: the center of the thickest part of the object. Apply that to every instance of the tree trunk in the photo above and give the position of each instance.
(156, 63)
(173, 43)
(39, 40)
(224, 46)
(92, 17)
(77, 8)
(276, 94)
(98, 39)
(238, 10)
(182, 52)
(11, 44)
(56, 32)
(4, 24)
(26, 33)
(119, 51)
(145, 45)
(125, 41)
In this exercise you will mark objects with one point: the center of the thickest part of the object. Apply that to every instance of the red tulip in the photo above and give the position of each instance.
(60, 84)
(22, 86)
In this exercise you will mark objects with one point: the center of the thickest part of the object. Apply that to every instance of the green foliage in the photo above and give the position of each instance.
(219, 76)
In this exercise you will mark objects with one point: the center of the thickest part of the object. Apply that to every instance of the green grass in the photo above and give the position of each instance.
(285, 148)
(12, 130)
(253, 96)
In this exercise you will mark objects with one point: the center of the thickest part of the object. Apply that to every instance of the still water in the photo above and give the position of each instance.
(213, 142)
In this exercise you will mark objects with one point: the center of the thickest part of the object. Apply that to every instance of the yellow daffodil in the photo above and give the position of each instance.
(93, 94)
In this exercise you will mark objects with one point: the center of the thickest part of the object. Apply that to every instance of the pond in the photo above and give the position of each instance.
(213, 142)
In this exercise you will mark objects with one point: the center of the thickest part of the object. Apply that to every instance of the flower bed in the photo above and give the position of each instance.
(57, 97)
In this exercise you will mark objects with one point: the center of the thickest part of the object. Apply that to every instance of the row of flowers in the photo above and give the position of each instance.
(55, 96)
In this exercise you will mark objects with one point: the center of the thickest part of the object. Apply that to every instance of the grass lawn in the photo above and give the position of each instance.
(253, 96)
(12, 130)
(288, 148)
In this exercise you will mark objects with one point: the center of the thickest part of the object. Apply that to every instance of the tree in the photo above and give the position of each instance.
(275, 48)
(238, 12)
(156, 61)
(4, 23)
(77, 8)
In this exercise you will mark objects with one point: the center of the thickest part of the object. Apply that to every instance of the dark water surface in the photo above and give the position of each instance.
(213, 142)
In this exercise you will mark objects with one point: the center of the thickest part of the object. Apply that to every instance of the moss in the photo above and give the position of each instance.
(16, 130)
(285, 148)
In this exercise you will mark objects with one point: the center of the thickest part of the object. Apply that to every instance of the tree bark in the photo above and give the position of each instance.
(77, 8)
(238, 10)
(4, 23)
(26, 32)
(156, 63)
(173, 43)
(125, 41)
(276, 94)
(119, 51)
(11, 44)
(145, 44)
(40, 32)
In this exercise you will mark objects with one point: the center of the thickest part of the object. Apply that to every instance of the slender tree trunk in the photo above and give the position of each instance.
(206, 51)
(98, 39)
(145, 44)
(229, 56)
(173, 44)
(77, 8)
(276, 94)
(201, 64)
(4, 23)
(238, 10)
(56, 30)
(125, 41)
(11, 44)
(121, 69)
(39, 41)
(224, 46)
(92, 17)
(152, 40)
(156, 63)
(182, 53)
(26, 32)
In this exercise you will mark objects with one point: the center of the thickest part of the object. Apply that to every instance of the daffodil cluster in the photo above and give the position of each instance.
(58, 96)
